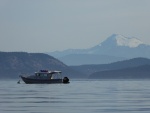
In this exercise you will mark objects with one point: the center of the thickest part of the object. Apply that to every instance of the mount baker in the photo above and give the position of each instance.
(114, 48)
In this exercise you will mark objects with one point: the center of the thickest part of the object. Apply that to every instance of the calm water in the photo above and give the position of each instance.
(80, 96)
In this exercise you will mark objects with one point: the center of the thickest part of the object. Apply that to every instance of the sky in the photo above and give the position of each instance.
(57, 25)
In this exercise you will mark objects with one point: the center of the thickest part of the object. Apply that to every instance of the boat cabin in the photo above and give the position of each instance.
(49, 74)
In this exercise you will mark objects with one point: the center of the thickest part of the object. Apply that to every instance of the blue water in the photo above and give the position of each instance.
(80, 96)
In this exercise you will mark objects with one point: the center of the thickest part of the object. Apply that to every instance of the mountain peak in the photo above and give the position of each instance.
(120, 40)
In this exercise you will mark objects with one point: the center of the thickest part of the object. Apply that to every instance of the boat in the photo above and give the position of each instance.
(45, 77)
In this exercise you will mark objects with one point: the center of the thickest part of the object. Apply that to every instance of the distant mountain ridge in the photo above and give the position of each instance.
(131, 69)
(92, 68)
(12, 64)
(116, 46)
(77, 59)
(140, 72)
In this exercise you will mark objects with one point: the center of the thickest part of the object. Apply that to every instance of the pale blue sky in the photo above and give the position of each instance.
(50, 25)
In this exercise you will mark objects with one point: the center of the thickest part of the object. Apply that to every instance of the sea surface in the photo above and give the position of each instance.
(80, 96)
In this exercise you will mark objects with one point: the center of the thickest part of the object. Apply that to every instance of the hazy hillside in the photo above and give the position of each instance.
(140, 72)
(89, 69)
(14, 63)
(76, 59)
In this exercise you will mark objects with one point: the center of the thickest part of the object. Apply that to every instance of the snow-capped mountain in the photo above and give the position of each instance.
(116, 47)
(120, 40)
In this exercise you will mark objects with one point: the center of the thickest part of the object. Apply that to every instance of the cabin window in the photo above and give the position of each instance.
(37, 74)
(43, 74)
